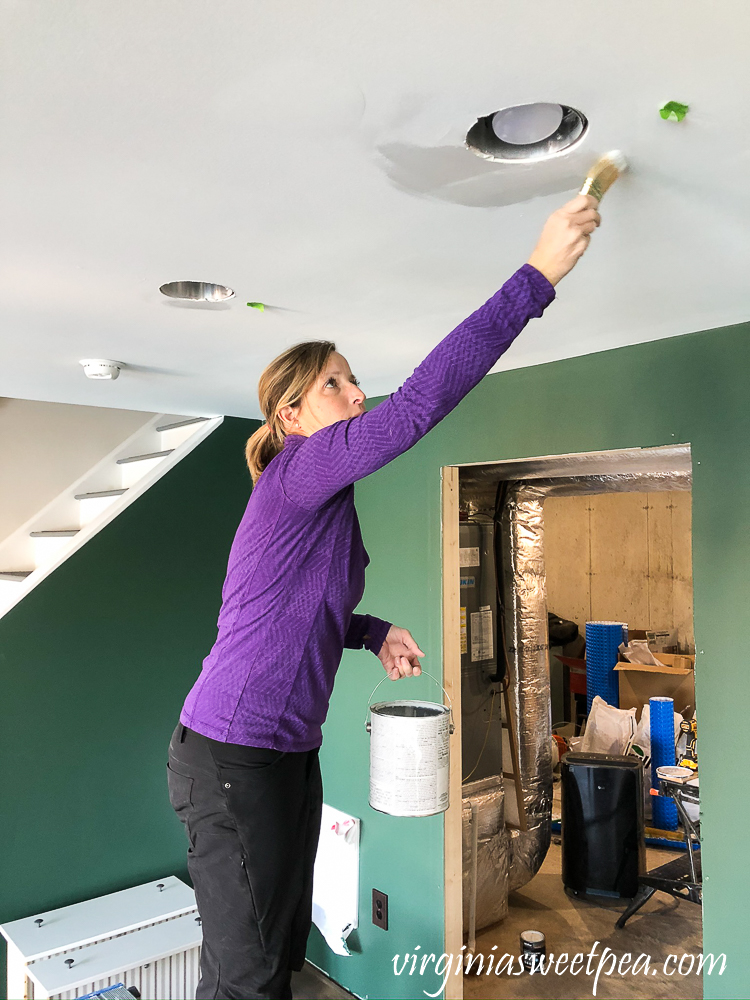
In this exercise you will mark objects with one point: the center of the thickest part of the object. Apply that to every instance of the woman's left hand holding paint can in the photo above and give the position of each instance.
(400, 654)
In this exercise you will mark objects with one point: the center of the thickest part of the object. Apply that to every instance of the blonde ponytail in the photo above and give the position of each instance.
(259, 451)
(284, 382)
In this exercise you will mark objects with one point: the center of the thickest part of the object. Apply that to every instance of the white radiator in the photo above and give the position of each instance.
(148, 937)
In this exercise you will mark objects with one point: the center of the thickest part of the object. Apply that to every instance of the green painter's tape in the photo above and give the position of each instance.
(674, 111)
(257, 305)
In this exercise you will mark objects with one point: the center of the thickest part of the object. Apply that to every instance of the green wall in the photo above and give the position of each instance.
(95, 664)
(691, 389)
(96, 661)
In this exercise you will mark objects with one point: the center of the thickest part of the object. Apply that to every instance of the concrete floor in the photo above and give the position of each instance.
(311, 984)
(663, 926)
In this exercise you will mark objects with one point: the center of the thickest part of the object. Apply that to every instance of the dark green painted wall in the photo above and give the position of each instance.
(116, 636)
(691, 389)
(95, 663)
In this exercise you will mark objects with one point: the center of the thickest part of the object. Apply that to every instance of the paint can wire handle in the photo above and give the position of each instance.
(423, 674)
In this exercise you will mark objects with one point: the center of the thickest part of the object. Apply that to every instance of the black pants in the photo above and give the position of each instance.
(252, 818)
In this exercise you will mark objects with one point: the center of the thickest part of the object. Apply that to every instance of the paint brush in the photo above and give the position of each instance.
(604, 173)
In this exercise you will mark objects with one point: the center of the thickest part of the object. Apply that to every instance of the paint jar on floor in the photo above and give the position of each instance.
(533, 948)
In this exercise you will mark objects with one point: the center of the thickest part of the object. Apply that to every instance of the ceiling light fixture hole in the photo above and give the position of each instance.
(197, 291)
(527, 132)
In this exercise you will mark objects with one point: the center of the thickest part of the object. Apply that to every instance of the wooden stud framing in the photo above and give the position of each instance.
(453, 831)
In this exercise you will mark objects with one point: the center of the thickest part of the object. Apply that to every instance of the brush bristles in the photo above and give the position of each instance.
(618, 159)
(604, 173)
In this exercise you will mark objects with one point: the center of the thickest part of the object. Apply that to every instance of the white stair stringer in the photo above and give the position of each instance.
(44, 542)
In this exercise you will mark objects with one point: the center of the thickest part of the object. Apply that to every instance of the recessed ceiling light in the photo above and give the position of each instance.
(197, 291)
(527, 132)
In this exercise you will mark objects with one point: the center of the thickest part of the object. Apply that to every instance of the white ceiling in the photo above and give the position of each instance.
(309, 154)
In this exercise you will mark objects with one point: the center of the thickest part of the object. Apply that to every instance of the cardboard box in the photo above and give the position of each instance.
(677, 661)
(676, 680)
(669, 661)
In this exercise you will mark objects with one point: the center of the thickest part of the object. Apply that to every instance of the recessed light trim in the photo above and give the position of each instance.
(485, 140)
(197, 291)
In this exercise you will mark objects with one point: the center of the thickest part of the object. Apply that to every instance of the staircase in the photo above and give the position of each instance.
(39, 546)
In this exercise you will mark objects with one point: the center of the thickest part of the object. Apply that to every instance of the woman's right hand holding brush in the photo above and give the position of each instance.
(565, 237)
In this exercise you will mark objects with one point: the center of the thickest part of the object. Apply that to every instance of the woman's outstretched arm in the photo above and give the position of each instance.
(344, 452)
(341, 453)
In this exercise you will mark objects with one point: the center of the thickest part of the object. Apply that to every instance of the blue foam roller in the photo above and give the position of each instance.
(663, 753)
(602, 645)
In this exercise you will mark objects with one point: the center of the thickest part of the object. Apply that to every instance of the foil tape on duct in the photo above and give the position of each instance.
(493, 854)
(526, 642)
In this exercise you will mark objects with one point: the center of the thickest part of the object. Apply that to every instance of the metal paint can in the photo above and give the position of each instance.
(533, 948)
(409, 757)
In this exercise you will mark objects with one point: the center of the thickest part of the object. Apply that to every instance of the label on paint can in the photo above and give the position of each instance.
(409, 758)
(533, 948)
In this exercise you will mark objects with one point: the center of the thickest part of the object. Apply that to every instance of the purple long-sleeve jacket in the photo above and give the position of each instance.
(297, 565)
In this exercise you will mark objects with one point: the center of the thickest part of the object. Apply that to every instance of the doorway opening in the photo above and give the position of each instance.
(533, 551)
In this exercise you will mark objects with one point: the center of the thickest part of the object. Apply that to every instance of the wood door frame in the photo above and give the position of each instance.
(453, 830)
(672, 458)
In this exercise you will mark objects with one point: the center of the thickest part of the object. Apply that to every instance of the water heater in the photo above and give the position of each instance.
(481, 731)
(478, 597)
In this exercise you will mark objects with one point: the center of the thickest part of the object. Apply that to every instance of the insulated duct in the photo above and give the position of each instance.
(526, 637)
(486, 854)
(526, 644)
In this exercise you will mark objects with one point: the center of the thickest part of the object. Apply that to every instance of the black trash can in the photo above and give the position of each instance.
(603, 850)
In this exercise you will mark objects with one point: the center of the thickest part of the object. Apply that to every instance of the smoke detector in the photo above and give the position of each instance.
(98, 368)
(527, 132)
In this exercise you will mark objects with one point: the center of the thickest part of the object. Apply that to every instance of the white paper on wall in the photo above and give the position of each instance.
(468, 557)
(336, 879)
(481, 634)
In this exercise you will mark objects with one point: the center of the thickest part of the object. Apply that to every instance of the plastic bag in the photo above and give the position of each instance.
(608, 729)
(638, 652)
